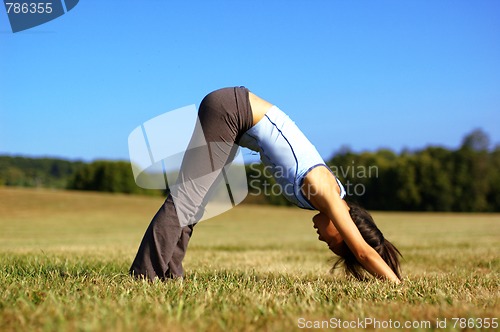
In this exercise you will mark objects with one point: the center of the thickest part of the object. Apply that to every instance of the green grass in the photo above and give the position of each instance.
(65, 256)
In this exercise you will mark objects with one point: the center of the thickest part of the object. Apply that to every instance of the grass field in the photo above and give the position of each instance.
(65, 255)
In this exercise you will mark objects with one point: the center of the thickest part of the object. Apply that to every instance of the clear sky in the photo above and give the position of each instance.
(367, 74)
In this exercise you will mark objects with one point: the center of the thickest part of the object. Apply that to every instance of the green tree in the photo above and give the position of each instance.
(433, 176)
(493, 196)
(477, 140)
(407, 194)
(108, 176)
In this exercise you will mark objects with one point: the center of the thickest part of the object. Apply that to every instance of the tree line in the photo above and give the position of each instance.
(37, 172)
(101, 175)
(431, 179)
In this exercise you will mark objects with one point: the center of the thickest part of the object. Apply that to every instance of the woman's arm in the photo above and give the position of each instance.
(322, 190)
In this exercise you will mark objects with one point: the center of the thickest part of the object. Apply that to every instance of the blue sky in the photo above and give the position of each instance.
(367, 74)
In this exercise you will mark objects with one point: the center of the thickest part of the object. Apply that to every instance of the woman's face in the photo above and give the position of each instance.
(329, 234)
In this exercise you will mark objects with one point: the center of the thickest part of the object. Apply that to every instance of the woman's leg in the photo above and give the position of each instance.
(164, 239)
(223, 115)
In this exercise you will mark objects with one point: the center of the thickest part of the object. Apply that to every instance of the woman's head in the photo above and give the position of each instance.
(374, 237)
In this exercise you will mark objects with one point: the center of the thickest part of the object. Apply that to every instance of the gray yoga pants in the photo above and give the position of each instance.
(224, 116)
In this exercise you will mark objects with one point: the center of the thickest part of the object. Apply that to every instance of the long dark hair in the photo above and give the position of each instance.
(374, 237)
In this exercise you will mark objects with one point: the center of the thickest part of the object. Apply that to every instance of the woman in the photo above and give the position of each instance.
(234, 116)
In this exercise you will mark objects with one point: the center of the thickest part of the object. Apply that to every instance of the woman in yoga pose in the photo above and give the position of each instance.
(233, 117)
